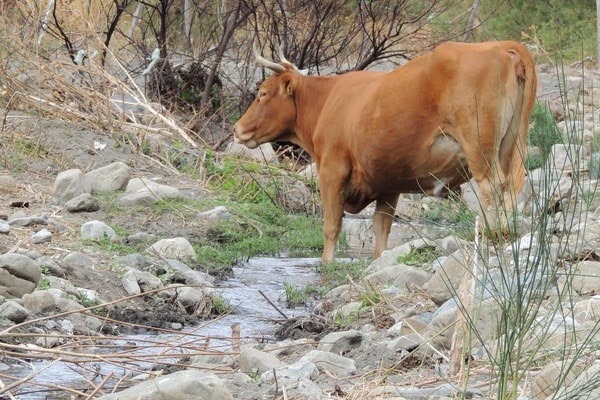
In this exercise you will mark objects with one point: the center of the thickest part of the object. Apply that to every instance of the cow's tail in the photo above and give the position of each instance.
(527, 79)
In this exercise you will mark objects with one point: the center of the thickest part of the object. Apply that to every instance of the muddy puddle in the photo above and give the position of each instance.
(133, 354)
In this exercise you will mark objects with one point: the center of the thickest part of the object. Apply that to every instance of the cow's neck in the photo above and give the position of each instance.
(310, 96)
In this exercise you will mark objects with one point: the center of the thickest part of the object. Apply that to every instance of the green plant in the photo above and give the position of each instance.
(544, 134)
(340, 272)
(109, 245)
(370, 298)
(44, 283)
(220, 305)
(343, 322)
(295, 296)
(419, 255)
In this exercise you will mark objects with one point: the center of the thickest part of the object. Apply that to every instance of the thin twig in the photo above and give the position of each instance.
(273, 305)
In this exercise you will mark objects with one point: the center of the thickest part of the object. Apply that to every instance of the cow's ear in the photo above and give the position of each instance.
(288, 84)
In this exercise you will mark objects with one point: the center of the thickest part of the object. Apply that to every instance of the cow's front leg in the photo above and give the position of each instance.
(332, 195)
(382, 222)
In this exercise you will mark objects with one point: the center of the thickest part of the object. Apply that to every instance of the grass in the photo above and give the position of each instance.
(341, 272)
(220, 305)
(299, 296)
(257, 229)
(419, 256)
(105, 244)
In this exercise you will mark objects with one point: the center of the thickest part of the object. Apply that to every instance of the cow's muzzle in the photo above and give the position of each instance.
(245, 138)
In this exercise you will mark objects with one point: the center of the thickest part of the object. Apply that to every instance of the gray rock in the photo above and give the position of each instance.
(309, 172)
(338, 365)
(13, 311)
(177, 248)
(444, 284)
(406, 343)
(110, 178)
(28, 221)
(40, 301)
(95, 230)
(50, 267)
(445, 391)
(181, 385)
(255, 362)
(69, 184)
(4, 227)
(587, 310)
(584, 387)
(547, 381)
(342, 342)
(78, 260)
(566, 156)
(19, 275)
(305, 389)
(350, 309)
(135, 261)
(402, 277)
(298, 371)
(594, 165)
(264, 152)
(138, 238)
(52, 339)
(85, 324)
(62, 284)
(144, 192)
(83, 203)
(136, 282)
(288, 347)
(451, 243)
(193, 278)
(220, 213)
(297, 197)
(486, 316)
(585, 279)
(194, 300)
(7, 181)
(390, 257)
(42, 236)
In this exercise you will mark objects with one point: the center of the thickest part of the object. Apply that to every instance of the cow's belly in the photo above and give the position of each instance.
(431, 170)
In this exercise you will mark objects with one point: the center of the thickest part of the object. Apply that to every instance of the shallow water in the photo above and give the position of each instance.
(252, 312)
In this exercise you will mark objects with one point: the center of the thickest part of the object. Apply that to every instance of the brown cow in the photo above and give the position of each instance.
(428, 126)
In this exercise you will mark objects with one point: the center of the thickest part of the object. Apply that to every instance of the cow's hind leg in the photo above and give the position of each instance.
(492, 183)
(382, 222)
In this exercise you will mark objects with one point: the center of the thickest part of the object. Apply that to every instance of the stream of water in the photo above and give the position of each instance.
(252, 312)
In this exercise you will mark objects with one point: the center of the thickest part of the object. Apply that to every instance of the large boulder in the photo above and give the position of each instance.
(145, 192)
(181, 385)
(176, 248)
(68, 185)
(19, 275)
(112, 177)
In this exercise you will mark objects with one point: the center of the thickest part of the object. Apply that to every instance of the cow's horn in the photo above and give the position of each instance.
(282, 58)
(266, 63)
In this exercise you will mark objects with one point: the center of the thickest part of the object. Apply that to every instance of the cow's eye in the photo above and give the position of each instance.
(261, 94)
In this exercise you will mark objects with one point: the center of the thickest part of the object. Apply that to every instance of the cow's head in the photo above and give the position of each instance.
(272, 114)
